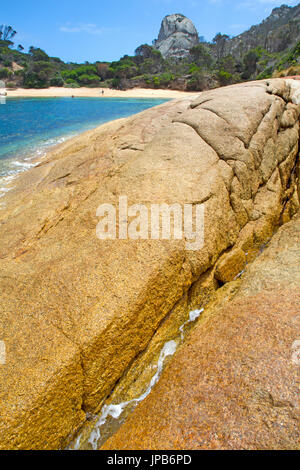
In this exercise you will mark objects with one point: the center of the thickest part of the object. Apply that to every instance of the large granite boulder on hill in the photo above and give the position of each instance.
(176, 37)
(76, 311)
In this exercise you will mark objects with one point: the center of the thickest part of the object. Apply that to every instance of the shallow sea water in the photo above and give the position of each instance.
(30, 126)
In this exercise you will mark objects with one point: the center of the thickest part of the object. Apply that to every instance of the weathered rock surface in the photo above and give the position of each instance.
(278, 32)
(235, 383)
(77, 311)
(176, 37)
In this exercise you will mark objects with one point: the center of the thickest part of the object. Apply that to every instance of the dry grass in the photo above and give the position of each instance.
(291, 71)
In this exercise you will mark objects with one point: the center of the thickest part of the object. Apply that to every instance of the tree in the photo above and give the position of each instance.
(38, 54)
(7, 33)
(37, 75)
(249, 62)
(5, 73)
(229, 64)
(201, 56)
(20, 48)
(57, 81)
(198, 80)
(124, 68)
(220, 41)
(103, 70)
(146, 52)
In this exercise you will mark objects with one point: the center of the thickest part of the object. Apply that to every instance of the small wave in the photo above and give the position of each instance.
(12, 167)
(23, 164)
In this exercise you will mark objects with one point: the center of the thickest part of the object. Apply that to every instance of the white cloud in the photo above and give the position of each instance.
(88, 28)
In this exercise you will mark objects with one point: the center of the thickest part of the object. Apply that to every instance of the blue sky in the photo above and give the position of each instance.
(79, 30)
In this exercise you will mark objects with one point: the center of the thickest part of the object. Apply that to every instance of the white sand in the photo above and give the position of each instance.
(97, 92)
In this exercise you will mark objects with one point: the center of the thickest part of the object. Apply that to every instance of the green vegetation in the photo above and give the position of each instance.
(208, 65)
(289, 59)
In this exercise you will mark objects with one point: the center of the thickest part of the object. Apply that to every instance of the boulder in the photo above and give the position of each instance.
(76, 311)
(176, 37)
(234, 383)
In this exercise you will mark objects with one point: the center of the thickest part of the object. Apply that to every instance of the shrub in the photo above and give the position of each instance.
(72, 85)
(86, 70)
(38, 54)
(225, 78)
(166, 78)
(35, 80)
(115, 83)
(88, 79)
(69, 75)
(267, 73)
(5, 73)
(201, 56)
(57, 81)
(70, 81)
(155, 82)
(197, 81)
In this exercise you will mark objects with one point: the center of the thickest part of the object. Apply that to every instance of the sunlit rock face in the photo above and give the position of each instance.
(176, 37)
(76, 311)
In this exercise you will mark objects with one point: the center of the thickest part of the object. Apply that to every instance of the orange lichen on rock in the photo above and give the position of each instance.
(77, 311)
(234, 384)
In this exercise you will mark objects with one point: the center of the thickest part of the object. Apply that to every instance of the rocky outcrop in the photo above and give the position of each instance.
(234, 383)
(176, 37)
(278, 32)
(77, 311)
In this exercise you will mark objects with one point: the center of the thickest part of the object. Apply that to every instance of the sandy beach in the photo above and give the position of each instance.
(97, 92)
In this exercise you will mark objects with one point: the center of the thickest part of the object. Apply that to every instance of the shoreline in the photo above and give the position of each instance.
(57, 92)
(30, 159)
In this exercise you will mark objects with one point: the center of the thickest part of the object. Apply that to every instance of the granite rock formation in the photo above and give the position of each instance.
(77, 311)
(278, 32)
(176, 37)
(234, 383)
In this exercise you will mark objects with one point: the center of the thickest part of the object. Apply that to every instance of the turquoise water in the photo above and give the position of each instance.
(28, 126)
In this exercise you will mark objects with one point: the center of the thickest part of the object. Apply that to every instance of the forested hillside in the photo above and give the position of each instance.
(269, 49)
